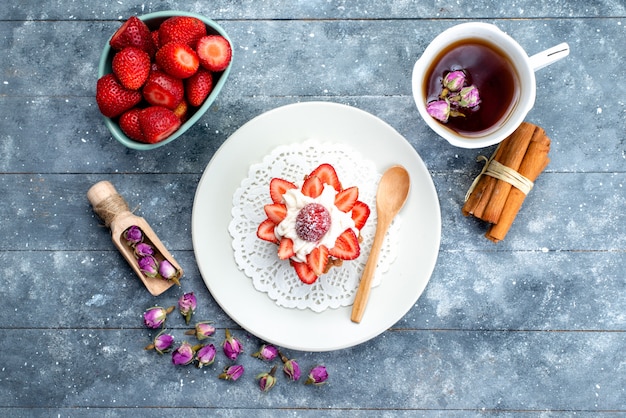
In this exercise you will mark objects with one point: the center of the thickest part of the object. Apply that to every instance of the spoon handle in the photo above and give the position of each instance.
(363, 292)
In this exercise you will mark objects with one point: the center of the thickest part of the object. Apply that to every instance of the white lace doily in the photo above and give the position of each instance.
(258, 259)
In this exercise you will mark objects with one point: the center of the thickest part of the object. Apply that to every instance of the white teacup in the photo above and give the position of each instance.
(523, 65)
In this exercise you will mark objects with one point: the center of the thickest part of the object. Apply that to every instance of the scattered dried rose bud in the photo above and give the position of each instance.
(162, 343)
(148, 266)
(232, 346)
(142, 250)
(232, 372)
(290, 368)
(183, 355)
(202, 331)
(187, 305)
(317, 376)
(169, 272)
(469, 96)
(155, 317)
(133, 235)
(267, 380)
(439, 109)
(266, 353)
(454, 80)
(205, 355)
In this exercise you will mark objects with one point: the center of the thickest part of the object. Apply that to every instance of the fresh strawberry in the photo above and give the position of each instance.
(265, 231)
(198, 87)
(312, 187)
(181, 110)
(276, 212)
(304, 272)
(162, 89)
(113, 98)
(360, 213)
(178, 60)
(133, 32)
(155, 39)
(184, 29)
(129, 124)
(346, 246)
(278, 187)
(131, 65)
(157, 123)
(215, 52)
(318, 259)
(285, 249)
(327, 175)
(345, 199)
(312, 222)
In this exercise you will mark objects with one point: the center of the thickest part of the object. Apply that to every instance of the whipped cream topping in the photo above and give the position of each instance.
(339, 221)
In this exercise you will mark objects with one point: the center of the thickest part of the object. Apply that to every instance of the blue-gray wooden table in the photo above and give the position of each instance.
(532, 326)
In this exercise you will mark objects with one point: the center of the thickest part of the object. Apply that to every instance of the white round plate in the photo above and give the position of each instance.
(254, 311)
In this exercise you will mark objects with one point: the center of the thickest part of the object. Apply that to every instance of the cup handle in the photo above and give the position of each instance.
(549, 56)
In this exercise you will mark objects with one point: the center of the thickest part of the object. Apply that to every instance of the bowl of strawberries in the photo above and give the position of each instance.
(158, 74)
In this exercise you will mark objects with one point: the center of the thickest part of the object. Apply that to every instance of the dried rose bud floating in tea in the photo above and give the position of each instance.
(483, 70)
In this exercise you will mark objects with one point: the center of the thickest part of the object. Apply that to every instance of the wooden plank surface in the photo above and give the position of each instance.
(533, 326)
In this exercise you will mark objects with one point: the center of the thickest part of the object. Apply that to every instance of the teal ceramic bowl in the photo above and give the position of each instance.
(154, 20)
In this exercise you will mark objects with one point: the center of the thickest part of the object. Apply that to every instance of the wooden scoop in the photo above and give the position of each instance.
(392, 192)
(113, 210)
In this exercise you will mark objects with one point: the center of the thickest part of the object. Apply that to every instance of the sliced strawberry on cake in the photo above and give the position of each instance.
(276, 212)
(360, 213)
(265, 231)
(304, 272)
(347, 198)
(316, 224)
(278, 187)
(346, 246)
(317, 260)
(285, 249)
(312, 187)
(327, 174)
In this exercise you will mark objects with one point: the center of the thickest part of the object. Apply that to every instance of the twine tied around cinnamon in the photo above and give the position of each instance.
(499, 171)
(109, 208)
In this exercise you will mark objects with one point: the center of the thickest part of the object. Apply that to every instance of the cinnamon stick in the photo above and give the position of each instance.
(510, 153)
(525, 135)
(483, 187)
(534, 163)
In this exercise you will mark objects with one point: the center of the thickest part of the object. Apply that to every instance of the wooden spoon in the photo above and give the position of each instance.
(391, 195)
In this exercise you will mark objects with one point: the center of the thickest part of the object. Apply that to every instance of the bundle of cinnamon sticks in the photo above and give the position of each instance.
(498, 193)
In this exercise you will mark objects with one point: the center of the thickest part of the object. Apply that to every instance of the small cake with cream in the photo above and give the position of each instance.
(316, 223)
